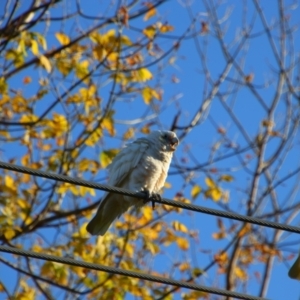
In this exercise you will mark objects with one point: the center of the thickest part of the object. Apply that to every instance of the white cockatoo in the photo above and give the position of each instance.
(294, 271)
(142, 166)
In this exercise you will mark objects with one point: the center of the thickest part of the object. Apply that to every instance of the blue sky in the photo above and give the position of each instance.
(186, 96)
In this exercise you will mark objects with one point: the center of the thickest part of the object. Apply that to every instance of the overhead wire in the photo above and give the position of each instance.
(129, 273)
(142, 195)
(174, 203)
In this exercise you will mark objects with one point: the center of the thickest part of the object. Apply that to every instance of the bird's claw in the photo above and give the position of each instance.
(156, 197)
(153, 197)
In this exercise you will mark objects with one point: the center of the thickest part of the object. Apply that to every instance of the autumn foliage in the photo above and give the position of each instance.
(79, 81)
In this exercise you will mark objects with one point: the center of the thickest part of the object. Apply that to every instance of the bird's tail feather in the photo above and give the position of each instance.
(108, 211)
(294, 271)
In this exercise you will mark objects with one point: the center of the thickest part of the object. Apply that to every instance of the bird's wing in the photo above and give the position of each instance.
(120, 169)
(126, 161)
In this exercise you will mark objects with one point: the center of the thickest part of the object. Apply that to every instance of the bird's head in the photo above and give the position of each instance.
(167, 139)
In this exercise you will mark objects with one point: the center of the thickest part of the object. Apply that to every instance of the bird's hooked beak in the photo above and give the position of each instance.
(174, 143)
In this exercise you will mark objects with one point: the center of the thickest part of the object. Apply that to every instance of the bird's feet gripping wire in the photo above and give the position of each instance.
(153, 197)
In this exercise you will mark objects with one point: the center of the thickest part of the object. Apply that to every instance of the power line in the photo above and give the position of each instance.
(187, 206)
(134, 274)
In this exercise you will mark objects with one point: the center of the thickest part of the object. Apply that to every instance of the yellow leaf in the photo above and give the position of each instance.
(74, 99)
(150, 32)
(227, 178)
(121, 78)
(221, 258)
(84, 190)
(240, 273)
(57, 127)
(182, 243)
(108, 38)
(166, 28)
(26, 218)
(149, 93)
(193, 295)
(184, 267)
(4, 134)
(42, 41)
(108, 123)
(25, 159)
(10, 184)
(28, 118)
(36, 165)
(63, 188)
(46, 63)
(145, 129)
(151, 233)
(197, 272)
(152, 247)
(147, 212)
(34, 47)
(62, 38)
(81, 70)
(19, 104)
(61, 274)
(167, 185)
(94, 137)
(82, 233)
(3, 85)
(246, 256)
(113, 57)
(245, 230)
(37, 248)
(216, 194)
(196, 190)
(213, 193)
(107, 156)
(9, 233)
(219, 235)
(88, 93)
(16, 56)
(146, 93)
(84, 165)
(25, 292)
(141, 75)
(209, 182)
(68, 187)
(151, 12)
(9, 181)
(126, 40)
(64, 66)
(129, 134)
(169, 238)
(23, 203)
(47, 269)
(179, 227)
